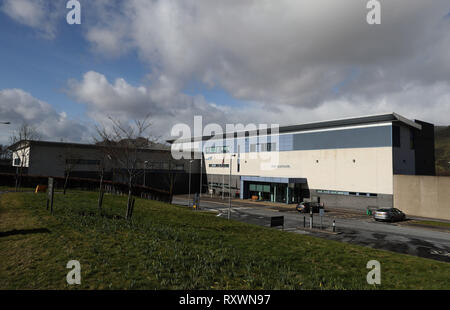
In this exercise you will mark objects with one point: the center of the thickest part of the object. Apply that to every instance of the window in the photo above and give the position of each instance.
(210, 150)
(179, 167)
(17, 161)
(268, 147)
(82, 161)
(219, 165)
(253, 148)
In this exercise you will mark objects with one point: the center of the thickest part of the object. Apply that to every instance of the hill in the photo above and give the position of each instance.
(442, 149)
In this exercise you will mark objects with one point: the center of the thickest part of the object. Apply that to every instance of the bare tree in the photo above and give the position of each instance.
(123, 144)
(70, 159)
(103, 158)
(5, 153)
(24, 133)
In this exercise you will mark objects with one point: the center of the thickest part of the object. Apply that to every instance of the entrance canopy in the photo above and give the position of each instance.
(274, 189)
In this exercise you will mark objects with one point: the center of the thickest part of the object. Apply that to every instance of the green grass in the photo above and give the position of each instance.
(432, 223)
(170, 247)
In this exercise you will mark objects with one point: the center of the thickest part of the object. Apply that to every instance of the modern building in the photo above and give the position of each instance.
(153, 166)
(346, 162)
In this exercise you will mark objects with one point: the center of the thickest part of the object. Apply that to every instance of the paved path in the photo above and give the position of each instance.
(353, 227)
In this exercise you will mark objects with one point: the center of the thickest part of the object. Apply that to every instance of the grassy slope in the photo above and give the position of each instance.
(442, 150)
(169, 247)
(432, 223)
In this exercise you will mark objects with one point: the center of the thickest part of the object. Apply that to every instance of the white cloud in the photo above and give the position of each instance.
(161, 100)
(41, 15)
(299, 53)
(18, 106)
(293, 61)
(167, 106)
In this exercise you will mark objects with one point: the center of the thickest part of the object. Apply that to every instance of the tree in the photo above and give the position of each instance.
(103, 158)
(123, 144)
(5, 153)
(24, 133)
(70, 159)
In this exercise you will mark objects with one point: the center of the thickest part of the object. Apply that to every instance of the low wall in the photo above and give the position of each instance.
(360, 203)
(423, 196)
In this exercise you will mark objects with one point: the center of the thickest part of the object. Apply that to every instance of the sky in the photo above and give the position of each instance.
(235, 61)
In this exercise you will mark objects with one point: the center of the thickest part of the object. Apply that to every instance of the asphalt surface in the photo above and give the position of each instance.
(352, 227)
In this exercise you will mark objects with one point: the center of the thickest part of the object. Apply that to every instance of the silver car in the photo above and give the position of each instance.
(389, 215)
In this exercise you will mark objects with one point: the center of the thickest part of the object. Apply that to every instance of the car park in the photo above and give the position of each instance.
(389, 215)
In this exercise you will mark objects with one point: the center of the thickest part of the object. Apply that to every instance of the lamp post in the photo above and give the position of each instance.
(229, 186)
(201, 175)
(145, 170)
(189, 196)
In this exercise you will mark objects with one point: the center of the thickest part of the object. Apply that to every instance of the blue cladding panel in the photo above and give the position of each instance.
(379, 136)
(286, 143)
(349, 138)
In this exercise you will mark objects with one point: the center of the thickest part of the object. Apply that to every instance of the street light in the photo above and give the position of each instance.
(5, 123)
(201, 175)
(229, 186)
(145, 170)
(189, 196)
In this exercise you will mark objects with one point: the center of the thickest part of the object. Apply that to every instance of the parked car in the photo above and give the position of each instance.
(305, 207)
(389, 215)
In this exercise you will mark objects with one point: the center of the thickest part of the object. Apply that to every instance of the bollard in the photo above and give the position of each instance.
(304, 221)
(334, 225)
(310, 218)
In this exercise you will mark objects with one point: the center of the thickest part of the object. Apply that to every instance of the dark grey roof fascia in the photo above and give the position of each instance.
(316, 125)
(68, 144)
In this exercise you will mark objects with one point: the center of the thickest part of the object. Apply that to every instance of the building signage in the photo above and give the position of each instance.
(281, 166)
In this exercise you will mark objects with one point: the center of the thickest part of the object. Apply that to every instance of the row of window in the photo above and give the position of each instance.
(261, 147)
(163, 166)
(76, 161)
(217, 149)
(219, 165)
(150, 165)
(346, 193)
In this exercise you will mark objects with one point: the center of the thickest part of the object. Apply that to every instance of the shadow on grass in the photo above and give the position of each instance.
(24, 232)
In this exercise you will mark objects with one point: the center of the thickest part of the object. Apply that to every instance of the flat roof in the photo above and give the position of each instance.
(315, 125)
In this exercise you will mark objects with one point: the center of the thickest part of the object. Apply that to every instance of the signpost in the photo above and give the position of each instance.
(50, 192)
(277, 221)
(321, 213)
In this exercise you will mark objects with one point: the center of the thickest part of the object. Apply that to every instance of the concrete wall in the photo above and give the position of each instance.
(424, 196)
(367, 170)
(360, 203)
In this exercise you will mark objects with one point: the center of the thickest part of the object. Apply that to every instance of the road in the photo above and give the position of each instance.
(351, 227)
